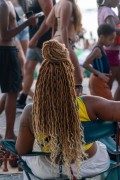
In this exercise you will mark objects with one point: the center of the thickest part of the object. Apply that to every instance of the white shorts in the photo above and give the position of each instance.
(41, 166)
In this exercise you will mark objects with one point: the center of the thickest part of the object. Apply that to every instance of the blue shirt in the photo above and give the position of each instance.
(102, 63)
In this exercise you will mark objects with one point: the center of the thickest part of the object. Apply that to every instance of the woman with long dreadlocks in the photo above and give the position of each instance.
(53, 121)
(67, 17)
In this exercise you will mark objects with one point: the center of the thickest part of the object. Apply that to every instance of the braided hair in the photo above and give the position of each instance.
(54, 107)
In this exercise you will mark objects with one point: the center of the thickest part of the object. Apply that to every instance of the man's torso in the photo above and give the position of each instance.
(11, 21)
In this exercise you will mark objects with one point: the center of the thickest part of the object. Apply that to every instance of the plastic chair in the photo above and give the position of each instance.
(101, 130)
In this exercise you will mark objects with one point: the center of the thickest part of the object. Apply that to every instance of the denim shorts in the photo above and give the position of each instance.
(24, 34)
(34, 54)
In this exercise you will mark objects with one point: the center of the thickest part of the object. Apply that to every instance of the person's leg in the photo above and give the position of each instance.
(24, 44)
(21, 57)
(27, 83)
(2, 106)
(10, 85)
(10, 111)
(77, 73)
(114, 61)
(113, 75)
(33, 56)
(24, 39)
(117, 92)
(2, 103)
(29, 76)
(8, 103)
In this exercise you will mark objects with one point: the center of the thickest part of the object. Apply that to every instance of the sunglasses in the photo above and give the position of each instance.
(79, 86)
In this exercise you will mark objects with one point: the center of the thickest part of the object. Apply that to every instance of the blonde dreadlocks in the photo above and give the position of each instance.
(54, 108)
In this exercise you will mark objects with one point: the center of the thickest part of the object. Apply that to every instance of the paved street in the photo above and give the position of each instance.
(11, 177)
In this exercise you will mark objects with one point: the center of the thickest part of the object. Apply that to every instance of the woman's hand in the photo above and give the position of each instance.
(104, 76)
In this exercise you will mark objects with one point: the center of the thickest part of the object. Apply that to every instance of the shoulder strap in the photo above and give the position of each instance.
(77, 105)
(81, 98)
(98, 47)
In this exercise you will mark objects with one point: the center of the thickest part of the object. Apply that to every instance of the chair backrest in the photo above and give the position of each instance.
(93, 130)
(98, 129)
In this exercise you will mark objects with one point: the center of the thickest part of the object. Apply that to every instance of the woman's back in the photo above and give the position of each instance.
(64, 16)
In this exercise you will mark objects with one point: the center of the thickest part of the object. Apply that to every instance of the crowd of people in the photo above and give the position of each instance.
(54, 118)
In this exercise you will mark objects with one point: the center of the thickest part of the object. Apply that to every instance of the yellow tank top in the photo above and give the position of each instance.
(83, 117)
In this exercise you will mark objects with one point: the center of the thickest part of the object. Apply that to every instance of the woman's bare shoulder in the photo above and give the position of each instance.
(28, 110)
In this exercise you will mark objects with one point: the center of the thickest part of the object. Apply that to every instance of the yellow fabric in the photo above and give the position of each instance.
(83, 117)
(45, 147)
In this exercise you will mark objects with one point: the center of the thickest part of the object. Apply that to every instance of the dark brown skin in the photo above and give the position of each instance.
(8, 28)
(96, 107)
(8, 31)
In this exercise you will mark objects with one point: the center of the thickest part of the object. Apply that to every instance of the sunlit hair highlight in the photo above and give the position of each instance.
(77, 16)
(54, 106)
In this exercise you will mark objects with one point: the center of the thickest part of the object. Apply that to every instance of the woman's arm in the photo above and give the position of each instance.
(25, 139)
(50, 20)
(98, 107)
(96, 53)
(46, 6)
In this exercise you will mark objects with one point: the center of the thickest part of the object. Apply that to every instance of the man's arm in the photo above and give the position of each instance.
(51, 17)
(25, 139)
(46, 6)
(7, 33)
(98, 107)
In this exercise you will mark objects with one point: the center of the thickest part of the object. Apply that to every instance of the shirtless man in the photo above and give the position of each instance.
(10, 75)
